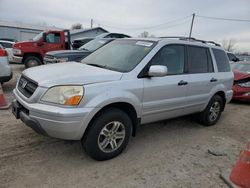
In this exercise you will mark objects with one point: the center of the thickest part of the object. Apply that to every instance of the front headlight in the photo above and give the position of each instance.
(16, 51)
(64, 95)
(246, 84)
(63, 59)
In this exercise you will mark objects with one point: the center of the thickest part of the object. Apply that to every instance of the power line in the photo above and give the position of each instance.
(225, 19)
(149, 27)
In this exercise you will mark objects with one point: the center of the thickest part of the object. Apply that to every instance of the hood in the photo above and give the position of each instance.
(70, 73)
(65, 53)
(240, 75)
(24, 44)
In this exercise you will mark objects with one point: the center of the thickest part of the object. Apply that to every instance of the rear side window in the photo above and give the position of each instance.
(221, 60)
(199, 60)
(171, 56)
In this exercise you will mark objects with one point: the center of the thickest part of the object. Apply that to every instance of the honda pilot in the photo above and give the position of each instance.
(129, 82)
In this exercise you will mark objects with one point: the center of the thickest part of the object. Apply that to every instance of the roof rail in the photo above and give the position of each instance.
(192, 40)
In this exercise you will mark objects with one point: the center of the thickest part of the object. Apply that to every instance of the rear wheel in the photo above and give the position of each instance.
(212, 113)
(108, 135)
(32, 61)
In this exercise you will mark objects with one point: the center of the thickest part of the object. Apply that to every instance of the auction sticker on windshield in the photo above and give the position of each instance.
(143, 43)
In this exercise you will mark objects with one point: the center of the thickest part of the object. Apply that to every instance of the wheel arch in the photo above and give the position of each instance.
(223, 96)
(26, 55)
(123, 106)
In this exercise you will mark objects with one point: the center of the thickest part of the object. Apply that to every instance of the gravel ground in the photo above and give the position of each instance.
(171, 153)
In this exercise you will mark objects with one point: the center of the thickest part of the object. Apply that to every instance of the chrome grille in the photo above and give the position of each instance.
(27, 86)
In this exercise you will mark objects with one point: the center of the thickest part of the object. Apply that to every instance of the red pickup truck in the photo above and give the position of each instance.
(31, 53)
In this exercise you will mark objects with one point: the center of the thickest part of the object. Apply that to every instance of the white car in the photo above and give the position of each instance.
(5, 69)
(7, 45)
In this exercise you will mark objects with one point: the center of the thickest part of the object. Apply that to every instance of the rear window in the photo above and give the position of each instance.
(221, 60)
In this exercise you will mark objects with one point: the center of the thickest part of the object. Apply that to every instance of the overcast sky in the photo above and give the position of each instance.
(135, 16)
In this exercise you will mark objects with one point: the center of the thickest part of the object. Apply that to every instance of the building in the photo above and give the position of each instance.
(20, 31)
(24, 32)
(81, 33)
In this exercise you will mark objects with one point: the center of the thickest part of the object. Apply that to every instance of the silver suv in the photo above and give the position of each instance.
(103, 99)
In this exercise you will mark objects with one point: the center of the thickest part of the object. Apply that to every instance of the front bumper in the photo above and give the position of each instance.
(47, 60)
(17, 59)
(54, 121)
(241, 93)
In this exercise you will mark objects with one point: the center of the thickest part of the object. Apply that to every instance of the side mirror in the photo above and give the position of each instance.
(236, 59)
(157, 71)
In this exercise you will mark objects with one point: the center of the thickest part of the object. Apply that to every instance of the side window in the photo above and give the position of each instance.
(171, 56)
(53, 38)
(199, 60)
(221, 60)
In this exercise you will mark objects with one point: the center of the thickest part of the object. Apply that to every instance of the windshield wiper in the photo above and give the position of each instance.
(84, 49)
(96, 65)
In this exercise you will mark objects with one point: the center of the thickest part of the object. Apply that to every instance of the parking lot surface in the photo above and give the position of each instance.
(172, 153)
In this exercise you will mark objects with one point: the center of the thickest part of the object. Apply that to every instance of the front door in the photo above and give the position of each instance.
(53, 42)
(165, 97)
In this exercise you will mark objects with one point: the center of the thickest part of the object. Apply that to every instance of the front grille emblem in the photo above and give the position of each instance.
(24, 84)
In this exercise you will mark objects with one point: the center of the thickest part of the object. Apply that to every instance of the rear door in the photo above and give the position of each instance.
(165, 97)
(202, 77)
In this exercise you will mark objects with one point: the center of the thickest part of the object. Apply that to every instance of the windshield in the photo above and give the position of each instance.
(244, 57)
(120, 55)
(242, 67)
(93, 45)
(38, 37)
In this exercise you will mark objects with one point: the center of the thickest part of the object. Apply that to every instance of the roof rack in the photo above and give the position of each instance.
(192, 40)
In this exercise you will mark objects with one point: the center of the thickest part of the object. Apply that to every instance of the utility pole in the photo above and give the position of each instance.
(192, 23)
(91, 23)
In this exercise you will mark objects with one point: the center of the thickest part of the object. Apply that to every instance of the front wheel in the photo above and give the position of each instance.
(108, 135)
(32, 61)
(212, 112)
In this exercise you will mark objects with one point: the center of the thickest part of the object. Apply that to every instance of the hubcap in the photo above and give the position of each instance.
(214, 111)
(111, 136)
(32, 63)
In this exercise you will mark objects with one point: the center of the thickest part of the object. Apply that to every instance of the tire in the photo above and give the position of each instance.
(32, 61)
(99, 140)
(212, 112)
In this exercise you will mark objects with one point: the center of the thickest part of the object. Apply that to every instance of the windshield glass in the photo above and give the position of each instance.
(38, 37)
(241, 67)
(244, 58)
(93, 45)
(120, 55)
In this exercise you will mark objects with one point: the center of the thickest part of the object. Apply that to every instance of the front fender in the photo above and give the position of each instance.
(108, 97)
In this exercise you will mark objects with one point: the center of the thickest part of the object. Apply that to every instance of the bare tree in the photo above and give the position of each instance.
(76, 26)
(145, 34)
(229, 45)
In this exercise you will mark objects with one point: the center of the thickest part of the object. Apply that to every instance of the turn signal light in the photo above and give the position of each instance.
(75, 100)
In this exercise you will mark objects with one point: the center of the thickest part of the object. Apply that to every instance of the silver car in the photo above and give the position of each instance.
(102, 100)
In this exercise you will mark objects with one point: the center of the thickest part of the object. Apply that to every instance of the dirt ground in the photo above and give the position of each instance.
(171, 153)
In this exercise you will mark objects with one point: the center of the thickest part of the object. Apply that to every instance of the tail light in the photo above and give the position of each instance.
(3, 53)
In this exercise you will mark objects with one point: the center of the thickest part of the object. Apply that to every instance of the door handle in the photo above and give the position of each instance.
(213, 80)
(182, 82)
